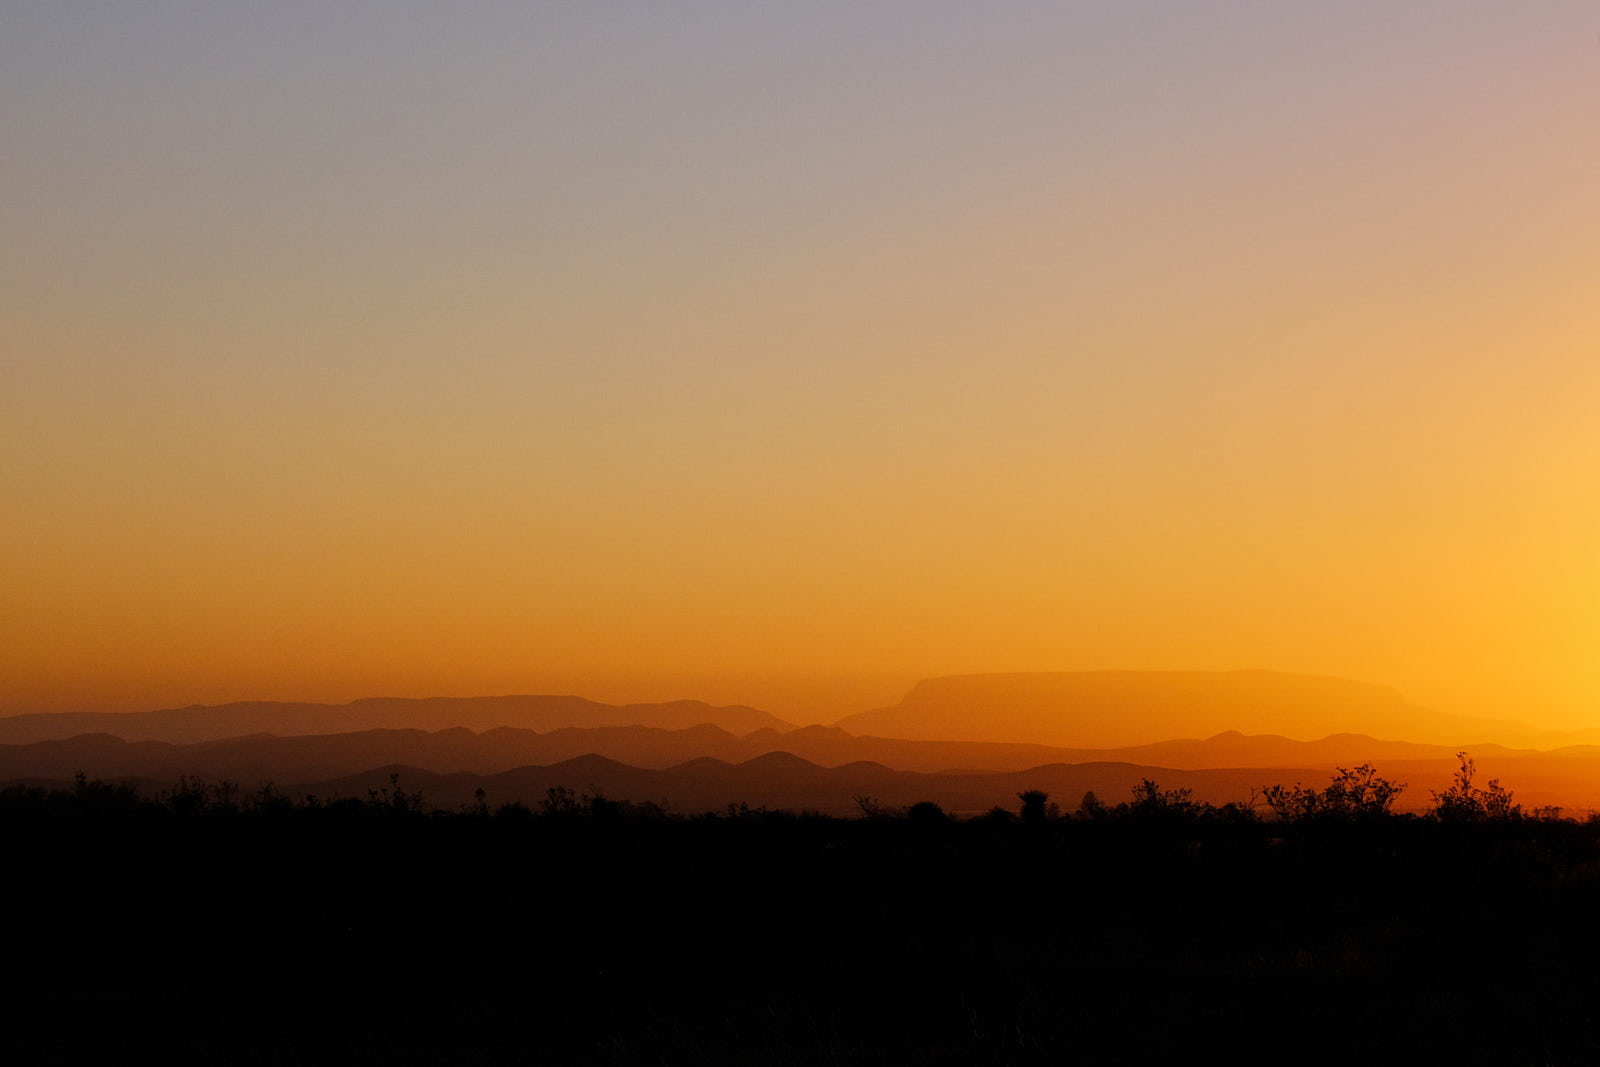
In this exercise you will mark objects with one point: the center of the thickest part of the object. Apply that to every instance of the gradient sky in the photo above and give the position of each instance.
(786, 353)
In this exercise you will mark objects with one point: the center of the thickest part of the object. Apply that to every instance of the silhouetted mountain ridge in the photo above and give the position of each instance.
(203, 723)
(258, 758)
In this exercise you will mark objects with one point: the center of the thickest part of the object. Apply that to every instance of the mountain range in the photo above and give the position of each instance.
(962, 741)
(265, 757)
(210, 723)
(685, 769)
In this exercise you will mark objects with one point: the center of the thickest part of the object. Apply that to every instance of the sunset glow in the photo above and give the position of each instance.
(728, 533)
(789, 355)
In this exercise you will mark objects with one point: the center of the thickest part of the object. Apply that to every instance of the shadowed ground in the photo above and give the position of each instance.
(593, 932)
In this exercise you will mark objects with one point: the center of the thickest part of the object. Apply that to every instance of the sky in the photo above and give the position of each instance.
(788, 353)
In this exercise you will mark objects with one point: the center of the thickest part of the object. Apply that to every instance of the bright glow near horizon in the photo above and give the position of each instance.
(786, 354)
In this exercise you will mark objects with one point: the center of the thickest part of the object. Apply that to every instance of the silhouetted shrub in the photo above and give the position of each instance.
(1352, 793)
(1150, 799)
(1465, 802)
(514, 813)
(870, 806)
(395, 800)
(94, 797)
(1033, 805)
(559, 800)
(193, 796)
(267, 799)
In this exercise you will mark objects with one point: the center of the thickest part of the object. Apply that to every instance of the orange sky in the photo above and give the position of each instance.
(789, 356)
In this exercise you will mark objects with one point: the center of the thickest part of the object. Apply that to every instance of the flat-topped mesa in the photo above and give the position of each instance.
(1108, 709)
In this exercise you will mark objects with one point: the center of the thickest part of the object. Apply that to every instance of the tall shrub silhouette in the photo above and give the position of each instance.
(1465, 802)
(1033, 805)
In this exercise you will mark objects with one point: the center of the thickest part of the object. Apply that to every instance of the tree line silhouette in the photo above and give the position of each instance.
(1351, 793)
(212, 924)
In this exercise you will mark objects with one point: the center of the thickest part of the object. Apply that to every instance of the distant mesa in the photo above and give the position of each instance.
(1108, 709)
(209, 723)
(1076, 710)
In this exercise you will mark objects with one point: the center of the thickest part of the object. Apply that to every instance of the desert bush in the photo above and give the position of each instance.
(1033, 805)
(394, 799)
(1465, 802)
(1352, 793)
(1150, 799)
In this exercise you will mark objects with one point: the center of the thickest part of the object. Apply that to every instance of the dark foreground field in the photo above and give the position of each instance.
(202, 929)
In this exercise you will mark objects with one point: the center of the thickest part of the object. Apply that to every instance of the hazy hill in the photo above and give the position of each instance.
(1234, 749)
(204, 723)
(1102, 709)
(832, 746)
(260, 758)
